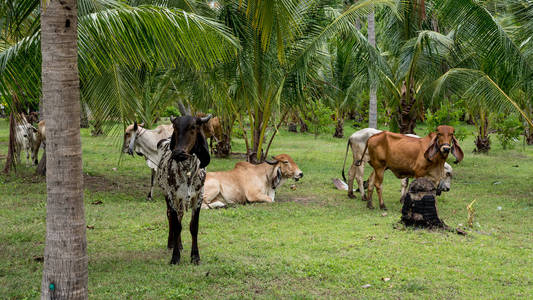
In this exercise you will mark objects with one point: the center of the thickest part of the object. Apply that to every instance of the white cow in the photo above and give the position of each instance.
(25, 139)
(357, 142)
(144, 142)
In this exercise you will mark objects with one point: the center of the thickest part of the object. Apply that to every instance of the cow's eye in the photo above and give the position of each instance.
(286, 162)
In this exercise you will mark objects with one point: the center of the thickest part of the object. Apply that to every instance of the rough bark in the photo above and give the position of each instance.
(10, 159)
(303, 126)
(420, 206)
(339, 128)
(65, 255)
(529, 136)
(482, 139)
(406, 120)
(373, 102)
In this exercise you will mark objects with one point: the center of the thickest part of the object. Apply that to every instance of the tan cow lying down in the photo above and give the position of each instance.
(248, 182)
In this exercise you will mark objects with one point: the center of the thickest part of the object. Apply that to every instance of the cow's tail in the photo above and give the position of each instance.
(344, 164)
(360, 161)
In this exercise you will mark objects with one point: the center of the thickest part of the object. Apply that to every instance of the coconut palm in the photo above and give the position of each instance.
(65, 272)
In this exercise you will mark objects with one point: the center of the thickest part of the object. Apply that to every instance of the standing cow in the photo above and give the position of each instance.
(181, 176)
(410, 157)
(143, 141)
(357, 143)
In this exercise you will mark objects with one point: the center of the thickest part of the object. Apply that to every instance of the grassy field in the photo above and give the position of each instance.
(314, 242)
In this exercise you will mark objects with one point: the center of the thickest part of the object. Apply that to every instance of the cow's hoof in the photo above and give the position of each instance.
(364, 198)
(369, 205)
(149, 198)
(383, 207)
(175, 261)
(351, 196)
(195, 260)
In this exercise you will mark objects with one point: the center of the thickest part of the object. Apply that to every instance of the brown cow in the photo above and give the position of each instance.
(248, 182)
(409, 157)
(212, 130)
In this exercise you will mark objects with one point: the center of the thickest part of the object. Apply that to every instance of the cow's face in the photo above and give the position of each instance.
(130, 134)
(446, 182)
(288, 167)
(443, 142)
(188, 138)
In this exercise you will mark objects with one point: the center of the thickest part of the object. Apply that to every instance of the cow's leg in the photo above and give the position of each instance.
(359, 173)
(258, 196)
(177, 241)
(405, 184)
(370, 189)
(150, 193)
(378, 181)
(351, 175)
(193, 227)
(172, 217)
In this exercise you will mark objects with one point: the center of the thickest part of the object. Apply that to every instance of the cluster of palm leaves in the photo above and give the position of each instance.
(255, 62)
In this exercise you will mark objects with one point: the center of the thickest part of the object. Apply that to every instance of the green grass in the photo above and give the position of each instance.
(314, 242)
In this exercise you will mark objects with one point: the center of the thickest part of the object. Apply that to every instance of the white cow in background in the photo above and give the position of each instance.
(25, 140)
(144, 142)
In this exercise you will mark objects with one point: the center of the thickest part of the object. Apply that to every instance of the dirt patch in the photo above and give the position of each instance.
(97, 183)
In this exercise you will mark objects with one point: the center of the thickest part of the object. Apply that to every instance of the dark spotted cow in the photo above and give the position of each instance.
(181, 176)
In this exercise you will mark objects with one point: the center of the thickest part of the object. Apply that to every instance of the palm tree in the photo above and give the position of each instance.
(373, 103)
(65, 273)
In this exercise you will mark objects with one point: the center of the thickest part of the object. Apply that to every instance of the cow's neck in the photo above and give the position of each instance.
(146, 144)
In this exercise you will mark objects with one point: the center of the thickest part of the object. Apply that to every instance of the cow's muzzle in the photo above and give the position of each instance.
(179, 155)
(445, 148)
(298, 176)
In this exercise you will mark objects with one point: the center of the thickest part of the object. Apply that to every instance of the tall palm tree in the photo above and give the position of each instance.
(65, 273)
(373, 103)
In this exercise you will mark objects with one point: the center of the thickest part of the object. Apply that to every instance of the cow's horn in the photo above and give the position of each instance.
(134, 125)
(272, 162)
(206, 118)
(172, 118)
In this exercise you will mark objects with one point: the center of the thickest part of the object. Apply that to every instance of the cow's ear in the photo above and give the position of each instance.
(432, 150)
(276, 180)
(172, 142)
(201, 149)
(457, 151)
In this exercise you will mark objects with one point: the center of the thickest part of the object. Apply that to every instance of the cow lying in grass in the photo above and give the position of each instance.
(181, 176)
(144, 142)
(248, 182)
(357, 143)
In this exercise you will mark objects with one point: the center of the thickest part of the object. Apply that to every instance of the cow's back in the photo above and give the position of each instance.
(395, 151)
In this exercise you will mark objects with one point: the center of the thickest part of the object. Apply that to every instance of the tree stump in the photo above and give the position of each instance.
(292, 127)
(420, 206)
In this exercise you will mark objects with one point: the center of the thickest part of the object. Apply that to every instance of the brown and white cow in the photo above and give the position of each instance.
(181, 175)
(409, 157)
(248, 183)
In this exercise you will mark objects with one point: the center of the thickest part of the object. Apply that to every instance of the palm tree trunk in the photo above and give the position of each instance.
(406, 118)
(373, 104)
(65, 255)
(483, 140)
(339, 128)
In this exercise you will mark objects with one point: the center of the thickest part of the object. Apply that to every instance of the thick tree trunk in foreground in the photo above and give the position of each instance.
(65, 255)
(373, 104)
